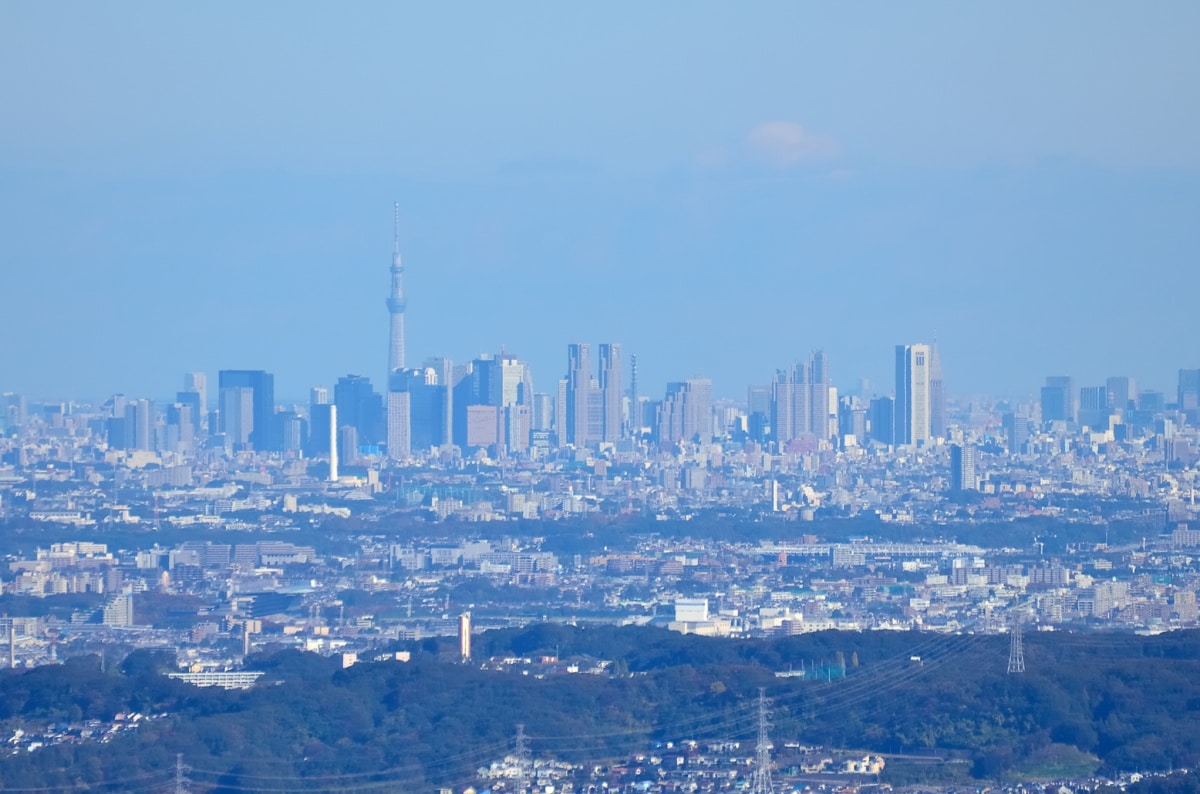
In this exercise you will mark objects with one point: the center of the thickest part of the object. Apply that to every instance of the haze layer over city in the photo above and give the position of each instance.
(717, 190)
(551, 400)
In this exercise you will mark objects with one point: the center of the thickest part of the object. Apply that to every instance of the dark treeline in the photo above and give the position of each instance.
(1129, 702)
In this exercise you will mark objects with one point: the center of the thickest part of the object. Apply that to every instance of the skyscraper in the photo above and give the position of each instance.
(611, 393)
(360, 407)
(911, 403)
(197, 382)
(396, 302)
(819, 386)
(685, 414)
(937, 394)
(800, 400)
(261, 384)
(1058, 399)
(1188, 394)
(578, 397)
(962, 468)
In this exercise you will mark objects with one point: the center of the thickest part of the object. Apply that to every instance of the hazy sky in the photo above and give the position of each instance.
(720, 187)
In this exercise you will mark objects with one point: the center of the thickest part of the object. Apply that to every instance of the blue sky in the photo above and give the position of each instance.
(719, 188)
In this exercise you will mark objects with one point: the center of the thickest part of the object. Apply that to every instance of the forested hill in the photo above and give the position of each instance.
(1131, 702)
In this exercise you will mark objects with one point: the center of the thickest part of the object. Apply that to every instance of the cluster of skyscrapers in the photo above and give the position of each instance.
(489, 405)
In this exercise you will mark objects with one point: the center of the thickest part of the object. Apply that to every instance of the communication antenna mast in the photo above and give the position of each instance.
(1016, 646)
(761, 783)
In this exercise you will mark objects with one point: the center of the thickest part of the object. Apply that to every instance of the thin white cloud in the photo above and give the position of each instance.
(786, 143)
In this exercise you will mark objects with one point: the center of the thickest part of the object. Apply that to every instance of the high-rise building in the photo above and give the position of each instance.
(962, 468)
(197, 382)
(396, 302)
(911, 425)
(12, 410)
(1094, 407)
(800, 400)
(238, 416)
(1017, 431)
(1058, 399)
(181, 432)
(262, 387)
(399, 417)
(611, 393)
(578, 396)
(323, 435)
(141, 418)
(1188, 394)
(881, 413)
(685, 414)
(937, 394)
(360, 407)
(819, 386)
(416, 412)
(1122, 393)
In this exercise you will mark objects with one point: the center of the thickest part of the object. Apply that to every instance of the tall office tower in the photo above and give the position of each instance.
(611, 393)
(852, 418)
(238, 417)
(447, 376)
(579, 390)
(193, 403)
(560, 413)
(290, 432)
(635, 416)
(758, 412)
(399, 415)
(197, 382)
(322, 430)
(685, 414)
(881, 413)
(1188, 394)
(1058, 399)
(595, 415)
(181, 433)
(802, 400)
(1122, 393)
(1016, 430)
(1152, 401)
(783, 428)
(140, 415)
(262, 387)
(962, 468)
(347, 443)
(396, 302)
(937, 394)
(360, 407)
(819, 386)
(12, 410)
(911, 403)
(542, 416)
(320, 434)
(1094, 407)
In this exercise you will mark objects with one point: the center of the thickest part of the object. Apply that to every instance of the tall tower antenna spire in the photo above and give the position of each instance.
(396, 301)
(396, 230)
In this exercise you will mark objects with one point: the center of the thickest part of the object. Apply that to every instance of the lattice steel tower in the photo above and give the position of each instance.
(522, 755)
(1016, 647)
(761, 783)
